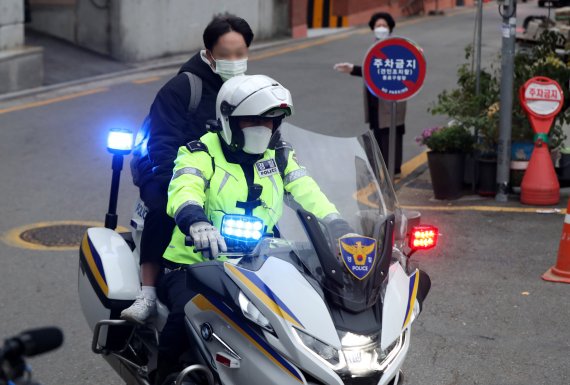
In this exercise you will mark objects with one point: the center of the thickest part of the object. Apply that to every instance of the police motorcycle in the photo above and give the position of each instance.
(288, 305)
(13, 367)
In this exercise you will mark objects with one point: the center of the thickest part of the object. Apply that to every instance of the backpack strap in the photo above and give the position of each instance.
(195, 91)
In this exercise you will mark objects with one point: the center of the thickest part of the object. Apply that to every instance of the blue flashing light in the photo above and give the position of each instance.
(242, 228)
(120, 141)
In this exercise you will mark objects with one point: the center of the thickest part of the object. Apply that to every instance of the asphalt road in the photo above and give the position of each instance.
(477, 327)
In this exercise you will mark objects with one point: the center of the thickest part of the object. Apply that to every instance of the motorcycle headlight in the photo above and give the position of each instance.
(360, 352)
(363, 354)
(323, 351)
(252, 313)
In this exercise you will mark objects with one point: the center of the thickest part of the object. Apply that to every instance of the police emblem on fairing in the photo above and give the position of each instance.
(358, 254)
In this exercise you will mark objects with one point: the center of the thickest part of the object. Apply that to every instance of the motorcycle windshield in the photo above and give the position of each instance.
(339, 230)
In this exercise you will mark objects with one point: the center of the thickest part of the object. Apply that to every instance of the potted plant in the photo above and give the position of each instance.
(446, 158)
(478, 112)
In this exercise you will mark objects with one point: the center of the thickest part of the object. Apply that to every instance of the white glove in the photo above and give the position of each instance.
(206, 236)
(344, 67)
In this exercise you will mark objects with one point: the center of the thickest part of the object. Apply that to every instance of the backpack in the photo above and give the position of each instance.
(140, 152)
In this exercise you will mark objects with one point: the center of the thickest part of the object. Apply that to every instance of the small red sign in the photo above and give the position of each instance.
(542, 99)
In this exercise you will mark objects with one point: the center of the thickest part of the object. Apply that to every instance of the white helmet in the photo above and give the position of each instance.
(251, 96)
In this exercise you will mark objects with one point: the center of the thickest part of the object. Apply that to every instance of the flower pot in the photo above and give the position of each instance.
(446, 171)
(487, 177)
(469, 173)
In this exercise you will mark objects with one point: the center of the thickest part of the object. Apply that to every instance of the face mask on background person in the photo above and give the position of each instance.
(381, 33)
(227, 69)
(256, 139)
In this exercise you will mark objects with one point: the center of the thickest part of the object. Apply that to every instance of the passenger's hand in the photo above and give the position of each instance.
(207, 236)
(344, 67)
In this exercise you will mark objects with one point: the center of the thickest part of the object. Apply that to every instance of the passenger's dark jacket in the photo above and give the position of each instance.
(172, 126)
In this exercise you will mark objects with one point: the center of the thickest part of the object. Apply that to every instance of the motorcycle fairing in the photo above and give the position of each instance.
(252, 342)
(264, 294)
(283, 282)
(398, 304)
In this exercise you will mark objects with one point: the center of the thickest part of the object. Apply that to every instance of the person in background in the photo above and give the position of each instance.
(377, 111)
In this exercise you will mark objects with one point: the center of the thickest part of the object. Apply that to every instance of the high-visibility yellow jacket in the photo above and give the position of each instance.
(204, 178)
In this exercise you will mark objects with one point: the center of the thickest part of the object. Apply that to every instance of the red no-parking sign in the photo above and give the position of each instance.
(394, 69)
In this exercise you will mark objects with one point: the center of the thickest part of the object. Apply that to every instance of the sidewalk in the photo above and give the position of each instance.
(415, 192)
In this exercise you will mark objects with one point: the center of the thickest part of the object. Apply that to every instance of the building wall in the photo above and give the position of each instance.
(143, 29)
(11, 24)
(136, 30)
(20, 67)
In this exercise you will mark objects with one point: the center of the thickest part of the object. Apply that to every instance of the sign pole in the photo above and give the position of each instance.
(508, 13)
(392, 143)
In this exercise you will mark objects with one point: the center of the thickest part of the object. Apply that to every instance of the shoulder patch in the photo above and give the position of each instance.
(196, 145)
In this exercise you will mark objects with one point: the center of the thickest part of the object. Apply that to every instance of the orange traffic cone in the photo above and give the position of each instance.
(561, 271)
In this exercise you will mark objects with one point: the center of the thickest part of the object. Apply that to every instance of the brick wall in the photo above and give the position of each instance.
(298, 14)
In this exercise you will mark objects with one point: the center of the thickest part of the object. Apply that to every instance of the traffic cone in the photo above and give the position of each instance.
(561, 271)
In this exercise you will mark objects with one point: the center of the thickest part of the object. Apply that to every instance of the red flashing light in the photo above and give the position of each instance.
(423, 237)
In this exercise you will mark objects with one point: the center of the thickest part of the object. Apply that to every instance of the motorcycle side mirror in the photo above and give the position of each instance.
(213, 125)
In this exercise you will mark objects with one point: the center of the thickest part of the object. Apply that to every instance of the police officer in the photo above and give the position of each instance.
(216, 175)
(170, 124)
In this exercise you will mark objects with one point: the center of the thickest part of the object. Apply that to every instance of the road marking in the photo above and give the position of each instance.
(52, 100)
(147, 80)
(413, 164)
(494, 209)
(12, 237)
